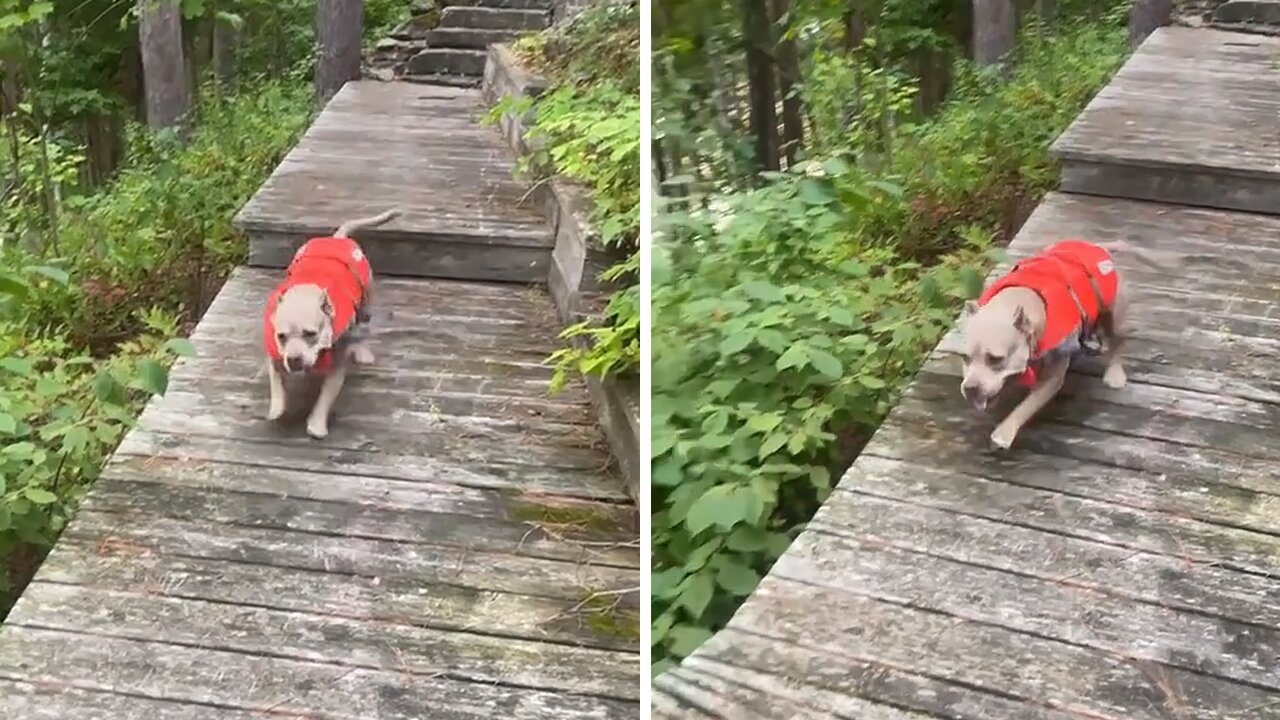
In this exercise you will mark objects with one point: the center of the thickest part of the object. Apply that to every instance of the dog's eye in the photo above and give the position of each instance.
(282, 338)
(995, 360)
(309, 335)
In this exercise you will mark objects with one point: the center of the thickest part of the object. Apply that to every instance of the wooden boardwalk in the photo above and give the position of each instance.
(454, 549)
(1121, 562)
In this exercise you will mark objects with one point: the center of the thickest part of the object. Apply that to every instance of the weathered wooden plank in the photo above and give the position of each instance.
(1185, 120)
(277, 685)
(1100, 621)
(1241, 439)
(399, 433)
(374, 462)
(469, 532)
(46, 700)
(1136, 529)
(409, 649)
(741, 653)
(105, 565)
(1209, 492)
(426, 564)
(1127, 119)
(1145, 577)
(1042, 671)
(737, 693)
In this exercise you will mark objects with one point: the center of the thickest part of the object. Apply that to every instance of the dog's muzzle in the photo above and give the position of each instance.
(295, 364)
(976, 397)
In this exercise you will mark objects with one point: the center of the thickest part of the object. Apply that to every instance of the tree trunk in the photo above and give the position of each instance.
(995, 30)
(226, 41)
(788, 60)
(764, 96)
(163, 68)
(1145, 16)
(1047, 10)
(339, 29)
(855, 25)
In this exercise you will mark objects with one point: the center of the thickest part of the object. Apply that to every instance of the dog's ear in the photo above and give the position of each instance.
(1021, 323)
(969, 309)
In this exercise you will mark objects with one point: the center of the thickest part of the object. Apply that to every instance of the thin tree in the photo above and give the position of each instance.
(760, 81)
(995, 30)
(339, 29)
(164, 74)
(1145, 16)
(788, 59)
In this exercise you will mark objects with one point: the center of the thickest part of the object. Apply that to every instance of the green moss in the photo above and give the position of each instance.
(582, 517)
(606, 615)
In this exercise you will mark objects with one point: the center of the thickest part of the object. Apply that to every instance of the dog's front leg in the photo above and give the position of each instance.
(318, 420)
(275, 410)
(1048, 386)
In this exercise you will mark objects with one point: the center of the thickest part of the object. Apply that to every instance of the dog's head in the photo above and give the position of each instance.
(998, 346)
(303, 321)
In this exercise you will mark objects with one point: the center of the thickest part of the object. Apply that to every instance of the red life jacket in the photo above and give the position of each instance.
(340, 267)
(1076, 280)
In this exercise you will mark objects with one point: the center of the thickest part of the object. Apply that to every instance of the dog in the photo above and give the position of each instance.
(317, 317)
(1069, 299)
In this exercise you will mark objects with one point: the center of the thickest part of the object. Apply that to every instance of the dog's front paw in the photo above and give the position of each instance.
(1115, 377)
(318, 428)
(1004, 436)
(362, 355)
(275, 411)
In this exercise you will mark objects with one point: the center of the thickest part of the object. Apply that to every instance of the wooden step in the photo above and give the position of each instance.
(420, 148)
(510, 4)
(1190, 119)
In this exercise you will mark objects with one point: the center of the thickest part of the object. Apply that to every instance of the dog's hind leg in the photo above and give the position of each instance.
(1113, 324)
(1048, 386)
(275, 410)
(318, 420)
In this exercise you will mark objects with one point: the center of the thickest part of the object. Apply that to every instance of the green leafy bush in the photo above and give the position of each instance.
(788, 318)
(91, 322)
(587, 127)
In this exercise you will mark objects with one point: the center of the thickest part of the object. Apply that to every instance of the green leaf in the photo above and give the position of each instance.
(713, 508)
(686, 638)
(13, 287)
(738, 579)
(152, 377)
(772, 444)
(8, 425)
(826, 363)
(764, 422)
(796, 356)
(17, 366)
(871, 382)
(49, 386)
(666, 584)
(55, 274)
(764, 291)
(39, 496)
(747, 539)
(736, 342)
(181, 347)
(661, 626)
(104, 386)
(697, 593)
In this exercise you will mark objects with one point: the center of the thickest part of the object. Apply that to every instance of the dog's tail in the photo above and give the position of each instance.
(350, 226)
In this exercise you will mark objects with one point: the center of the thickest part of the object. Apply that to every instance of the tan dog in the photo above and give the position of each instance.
(1029, 324)
(317, 317)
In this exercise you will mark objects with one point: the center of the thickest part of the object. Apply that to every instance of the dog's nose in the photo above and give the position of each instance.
(973, 393)
(293, 363)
